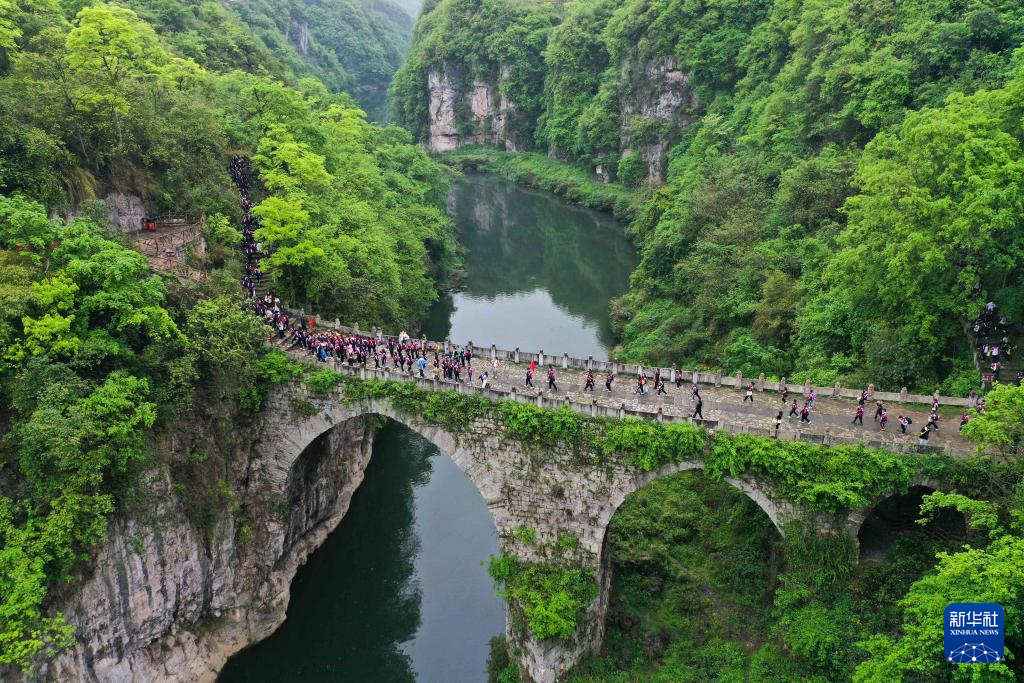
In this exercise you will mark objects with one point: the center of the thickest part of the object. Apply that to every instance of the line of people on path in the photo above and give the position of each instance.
(403, 354)
(408, 355)
(992, 338)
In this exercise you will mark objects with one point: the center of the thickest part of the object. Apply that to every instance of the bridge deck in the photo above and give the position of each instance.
(723, 407)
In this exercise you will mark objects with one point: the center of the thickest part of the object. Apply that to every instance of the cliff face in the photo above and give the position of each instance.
(472, 113)
(166, 600)
(656, 105)
(297, 33)
(655, 102)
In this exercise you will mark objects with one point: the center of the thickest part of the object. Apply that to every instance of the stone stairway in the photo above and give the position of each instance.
(263, 284)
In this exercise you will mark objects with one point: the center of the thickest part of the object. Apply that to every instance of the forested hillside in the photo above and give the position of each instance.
(353, 46)
(99, 355)
(98, 101)
(837, 184)
(824, 189)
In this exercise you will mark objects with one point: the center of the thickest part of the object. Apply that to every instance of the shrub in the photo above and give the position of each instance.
(632, 169)
(552, 598)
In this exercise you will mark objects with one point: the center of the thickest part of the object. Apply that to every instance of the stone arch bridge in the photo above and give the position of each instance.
(551, 494)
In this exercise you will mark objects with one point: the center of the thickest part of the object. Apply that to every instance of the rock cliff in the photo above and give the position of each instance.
(297, 33)
(656, 105)
(126, 211)
(468, 113)
(655, 101)
(168, 600)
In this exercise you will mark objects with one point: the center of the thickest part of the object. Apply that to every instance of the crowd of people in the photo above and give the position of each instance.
(403, 354)
(455, 363)
(991, 336)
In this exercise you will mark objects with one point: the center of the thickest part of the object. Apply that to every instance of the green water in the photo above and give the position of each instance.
(399, 591)
(540, 272)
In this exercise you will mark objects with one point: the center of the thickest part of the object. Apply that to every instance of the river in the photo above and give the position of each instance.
(400, 592)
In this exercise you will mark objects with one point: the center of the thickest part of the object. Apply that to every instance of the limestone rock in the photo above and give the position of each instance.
(126, 211)
(657, 105)
(484, 107)
(164, 601)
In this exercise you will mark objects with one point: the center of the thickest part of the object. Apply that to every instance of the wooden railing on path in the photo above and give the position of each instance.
(173, 266)
(155, 244)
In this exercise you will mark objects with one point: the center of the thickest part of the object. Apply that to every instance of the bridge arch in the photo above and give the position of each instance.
(779, 512)
(549, 493)
(289, 440)
(895, 514)
(855, 518)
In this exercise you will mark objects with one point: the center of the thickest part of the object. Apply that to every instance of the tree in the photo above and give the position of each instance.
(935, 229)
(1001, 426)
(108, 46)
(992, 574)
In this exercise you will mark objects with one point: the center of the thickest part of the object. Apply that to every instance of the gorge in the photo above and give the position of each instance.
(813, 198)
(244, 586)
(184, 605)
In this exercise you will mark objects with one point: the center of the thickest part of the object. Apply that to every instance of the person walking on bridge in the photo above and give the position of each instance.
(879, 409)
(858, 416)
(777, 423)
(660, 386)
(750, 393)
(421, 364)
(792, 409)
(551, 379)
(529, 377)
(699, 410)
(608, 379)
(904, 422)
(805, 414)
(883, 419)
(589, 386)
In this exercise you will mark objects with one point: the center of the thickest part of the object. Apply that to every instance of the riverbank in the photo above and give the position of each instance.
(543, 173)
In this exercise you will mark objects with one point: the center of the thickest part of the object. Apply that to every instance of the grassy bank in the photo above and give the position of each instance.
(540, 172)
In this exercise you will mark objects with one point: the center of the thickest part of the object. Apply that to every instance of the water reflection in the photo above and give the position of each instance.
(540, 272)
(397, 593)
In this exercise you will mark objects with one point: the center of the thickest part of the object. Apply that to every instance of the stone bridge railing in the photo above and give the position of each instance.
(565, 361)
(593, 408)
